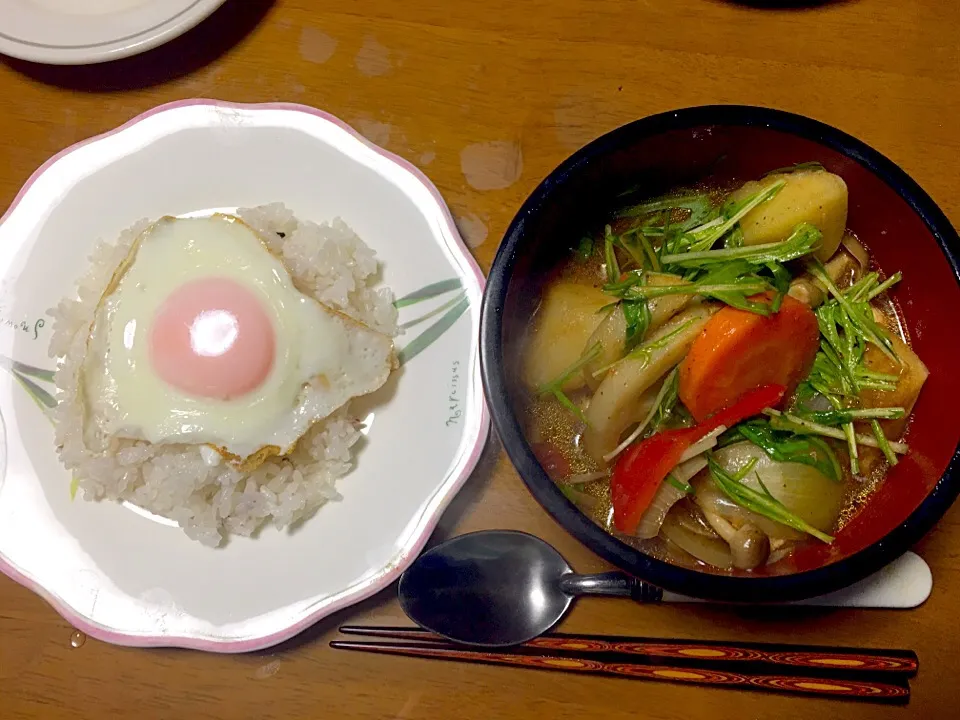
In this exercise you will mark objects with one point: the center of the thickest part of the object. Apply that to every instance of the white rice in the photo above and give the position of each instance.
(210, 501)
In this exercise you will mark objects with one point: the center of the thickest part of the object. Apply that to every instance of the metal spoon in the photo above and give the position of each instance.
(498, 587)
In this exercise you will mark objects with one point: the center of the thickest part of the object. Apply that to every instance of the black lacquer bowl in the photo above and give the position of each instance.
(889, 212)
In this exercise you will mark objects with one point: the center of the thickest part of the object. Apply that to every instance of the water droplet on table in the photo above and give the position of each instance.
(77, 639)
(373, 59)
(268, 670)
(493, 165)
(472, 228)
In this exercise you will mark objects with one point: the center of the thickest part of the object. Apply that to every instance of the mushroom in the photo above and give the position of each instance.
(749, 545)
(843, 269)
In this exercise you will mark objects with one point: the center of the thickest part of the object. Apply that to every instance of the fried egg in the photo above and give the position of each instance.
(202, 337)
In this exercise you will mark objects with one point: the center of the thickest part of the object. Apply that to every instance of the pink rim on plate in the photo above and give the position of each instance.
(433, 509)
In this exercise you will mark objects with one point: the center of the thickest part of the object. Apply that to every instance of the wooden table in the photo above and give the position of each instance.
(430, 80)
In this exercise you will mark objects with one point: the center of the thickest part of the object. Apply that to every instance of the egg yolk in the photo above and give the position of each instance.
(212, 338)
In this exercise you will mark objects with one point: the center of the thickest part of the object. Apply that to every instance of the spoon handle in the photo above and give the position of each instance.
(610, 583)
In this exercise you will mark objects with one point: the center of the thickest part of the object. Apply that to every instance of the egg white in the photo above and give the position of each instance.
(323, 357)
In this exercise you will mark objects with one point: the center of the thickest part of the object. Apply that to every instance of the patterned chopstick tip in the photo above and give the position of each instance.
(825, 659)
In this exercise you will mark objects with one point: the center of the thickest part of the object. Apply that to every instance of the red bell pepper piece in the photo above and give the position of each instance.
(644, 465)
(747, 405)
(640, 470)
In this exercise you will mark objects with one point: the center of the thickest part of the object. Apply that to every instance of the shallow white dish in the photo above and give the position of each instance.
(125, 578)
(76, 32)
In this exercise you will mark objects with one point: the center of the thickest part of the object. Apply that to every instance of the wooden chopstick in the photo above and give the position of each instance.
(813, 659)
(892, 689)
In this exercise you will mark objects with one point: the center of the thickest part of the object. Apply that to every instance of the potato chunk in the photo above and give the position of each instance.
(814, 196)
(911, 374)
(567, 317)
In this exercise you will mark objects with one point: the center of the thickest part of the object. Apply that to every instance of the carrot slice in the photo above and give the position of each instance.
(551, 460)
(739, 350)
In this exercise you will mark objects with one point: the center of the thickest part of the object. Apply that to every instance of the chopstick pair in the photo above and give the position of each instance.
(851, 673)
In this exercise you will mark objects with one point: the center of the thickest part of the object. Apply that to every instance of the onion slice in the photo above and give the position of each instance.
(585, 477)
(667, 495)
(710, 550)
(799, 488)
(703, 444)
(652, 518)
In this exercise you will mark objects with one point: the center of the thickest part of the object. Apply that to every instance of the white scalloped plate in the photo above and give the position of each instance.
(75, 32)
(124, 578)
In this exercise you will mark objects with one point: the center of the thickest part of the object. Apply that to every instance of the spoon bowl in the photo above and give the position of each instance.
(492, 588)
(497, 588)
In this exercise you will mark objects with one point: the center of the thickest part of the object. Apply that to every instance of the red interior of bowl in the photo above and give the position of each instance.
(928, 297)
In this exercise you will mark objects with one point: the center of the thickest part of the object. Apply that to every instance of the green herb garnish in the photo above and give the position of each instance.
(637, 315)
(668, 396)
(848, 415)
(884, 286)
(584, 249)
(802, 241)
(883, 442)
(610, 256)
(698, 208)
(731, 282)
(839, 372)
(735, 238)
(681, 486)
(786, 446)
(650, 253)
(730, 275)
(637, 244)
(856, 314)
(634, 249)
(555, 386)
(800, 425)
(703, 237)
(781, 283)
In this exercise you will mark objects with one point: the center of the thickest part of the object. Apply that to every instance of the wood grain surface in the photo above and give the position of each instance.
(487, 97)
